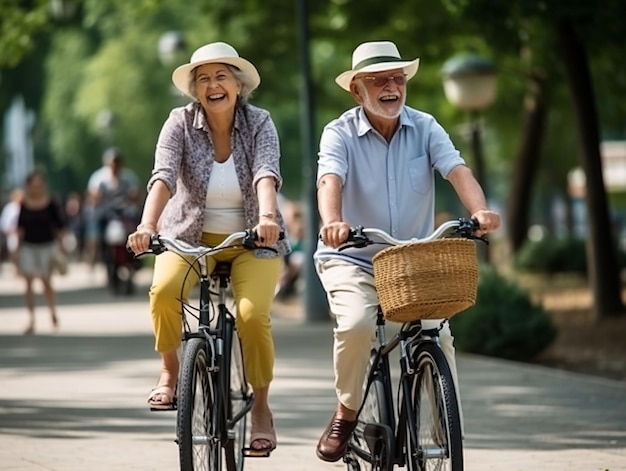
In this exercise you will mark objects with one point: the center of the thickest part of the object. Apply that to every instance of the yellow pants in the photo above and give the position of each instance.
(253, 283)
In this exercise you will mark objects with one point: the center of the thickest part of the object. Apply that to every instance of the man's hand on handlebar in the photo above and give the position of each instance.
(489, 221)
(335, 234)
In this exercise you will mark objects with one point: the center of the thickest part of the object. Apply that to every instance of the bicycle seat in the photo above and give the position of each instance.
(221, 269)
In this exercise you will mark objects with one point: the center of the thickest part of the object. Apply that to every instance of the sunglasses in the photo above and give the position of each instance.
(382, 81)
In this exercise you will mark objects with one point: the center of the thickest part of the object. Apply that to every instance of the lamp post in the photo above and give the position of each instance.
(63, 10)
(105, 122)
(470, 83)
(171, 48)
(315, 304)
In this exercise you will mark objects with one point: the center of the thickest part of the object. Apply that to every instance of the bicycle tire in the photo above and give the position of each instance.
(197, 426)
(374, 411)
(238, 395)
(436, 443)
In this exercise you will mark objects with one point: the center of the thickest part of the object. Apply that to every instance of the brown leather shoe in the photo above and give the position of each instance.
(334, 440)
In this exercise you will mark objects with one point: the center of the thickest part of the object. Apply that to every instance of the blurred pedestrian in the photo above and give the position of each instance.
(74, 240)
(8, 225)
(91, 235)
(293, 261)
(41, 228)
(111, 187)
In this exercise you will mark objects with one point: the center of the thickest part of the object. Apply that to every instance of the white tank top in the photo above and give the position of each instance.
(223, 213)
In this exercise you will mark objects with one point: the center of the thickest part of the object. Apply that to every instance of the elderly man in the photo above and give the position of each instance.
(376, 169)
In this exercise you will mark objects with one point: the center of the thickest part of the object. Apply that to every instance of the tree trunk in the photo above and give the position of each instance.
(601, 248)
(526, 162)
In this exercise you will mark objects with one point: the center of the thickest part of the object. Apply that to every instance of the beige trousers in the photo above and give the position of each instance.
(354, 304)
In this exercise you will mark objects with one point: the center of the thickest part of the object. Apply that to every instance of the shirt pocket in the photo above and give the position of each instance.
(420, 174)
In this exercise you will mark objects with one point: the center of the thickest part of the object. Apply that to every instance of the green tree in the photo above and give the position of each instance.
(571, 21)
(20, 23)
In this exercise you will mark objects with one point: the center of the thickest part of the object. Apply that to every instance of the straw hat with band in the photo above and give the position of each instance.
(214, 53)
(376, 56)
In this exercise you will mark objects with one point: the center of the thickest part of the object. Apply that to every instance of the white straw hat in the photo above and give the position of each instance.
(376, 56)
(219, 53)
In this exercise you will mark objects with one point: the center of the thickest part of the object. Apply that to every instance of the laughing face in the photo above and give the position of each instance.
(216, 87)
(382, 94)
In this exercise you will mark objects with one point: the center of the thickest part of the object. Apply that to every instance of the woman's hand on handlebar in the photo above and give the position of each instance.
(489, 221)
(335, 234)
(268, 232)
(139, 241)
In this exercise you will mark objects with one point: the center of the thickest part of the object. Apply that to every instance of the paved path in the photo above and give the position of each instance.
(75, 400)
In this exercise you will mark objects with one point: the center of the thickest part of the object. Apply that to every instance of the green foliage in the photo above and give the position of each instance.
(106, 59)
(504, 323)
(19, 25)
(552, 255)
(108, 69)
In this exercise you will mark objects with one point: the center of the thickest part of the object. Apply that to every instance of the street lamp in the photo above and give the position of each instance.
(105, 122)
(63, 10)
(470, 83)
(171, 48)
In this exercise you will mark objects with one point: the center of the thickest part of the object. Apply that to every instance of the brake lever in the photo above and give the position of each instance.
(156, 247)
(356, 239)
(482, 238)
(251, 237)
(467, 228)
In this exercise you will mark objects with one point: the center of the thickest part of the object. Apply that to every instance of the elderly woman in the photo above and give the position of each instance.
(216, 171)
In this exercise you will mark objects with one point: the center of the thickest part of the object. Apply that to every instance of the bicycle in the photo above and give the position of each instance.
(424, 432)
(213, 396)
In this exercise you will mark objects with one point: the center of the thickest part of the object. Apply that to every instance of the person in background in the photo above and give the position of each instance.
(216, 171)
(74, 240)
(376, 169)
(41, 229)
(91, 234)
(113, 187)
(8, 225)
(293, 261)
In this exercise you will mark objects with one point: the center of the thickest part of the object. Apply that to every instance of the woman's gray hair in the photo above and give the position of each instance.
(247, 87)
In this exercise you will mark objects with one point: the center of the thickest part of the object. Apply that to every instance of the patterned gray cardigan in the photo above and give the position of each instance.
(184, 159)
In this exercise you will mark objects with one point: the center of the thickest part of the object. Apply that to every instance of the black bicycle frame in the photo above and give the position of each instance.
(380, 367)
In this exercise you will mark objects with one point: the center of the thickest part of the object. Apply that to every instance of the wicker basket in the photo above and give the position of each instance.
(431, 280)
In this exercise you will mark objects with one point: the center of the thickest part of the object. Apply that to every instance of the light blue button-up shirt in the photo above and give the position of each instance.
(386, 185)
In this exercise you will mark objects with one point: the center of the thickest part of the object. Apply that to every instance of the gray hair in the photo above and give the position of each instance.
(247, 86)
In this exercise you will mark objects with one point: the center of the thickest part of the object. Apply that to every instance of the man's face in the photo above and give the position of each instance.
(115, 165)
(381, 93)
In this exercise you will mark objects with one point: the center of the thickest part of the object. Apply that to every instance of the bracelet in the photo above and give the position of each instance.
(267, 214)
(146, 226)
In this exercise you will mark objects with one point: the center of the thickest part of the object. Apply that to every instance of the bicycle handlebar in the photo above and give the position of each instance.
(360, 236)
(160, 243)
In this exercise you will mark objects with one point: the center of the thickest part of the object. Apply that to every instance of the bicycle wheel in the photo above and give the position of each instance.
(433, 413)
(374, 411)
(239, 396)
(197, 419)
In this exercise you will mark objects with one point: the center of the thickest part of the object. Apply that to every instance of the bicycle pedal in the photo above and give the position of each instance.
(251, 453)
(160, 409)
